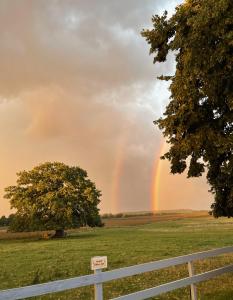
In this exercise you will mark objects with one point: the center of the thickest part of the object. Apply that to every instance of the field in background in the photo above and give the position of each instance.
(118, 220)
(132, 219)
(27, 259)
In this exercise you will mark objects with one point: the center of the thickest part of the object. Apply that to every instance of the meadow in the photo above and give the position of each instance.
(27, 259)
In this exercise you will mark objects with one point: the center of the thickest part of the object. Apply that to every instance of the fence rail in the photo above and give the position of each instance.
(100, 277)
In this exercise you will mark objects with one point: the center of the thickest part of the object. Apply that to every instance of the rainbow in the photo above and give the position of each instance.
(117, 172)
(156, 177)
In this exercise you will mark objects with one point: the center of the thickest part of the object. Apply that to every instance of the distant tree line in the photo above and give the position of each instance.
(125, 215)
(6, 221)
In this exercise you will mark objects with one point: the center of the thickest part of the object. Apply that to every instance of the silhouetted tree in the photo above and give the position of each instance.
(198, 121)
(6, 221)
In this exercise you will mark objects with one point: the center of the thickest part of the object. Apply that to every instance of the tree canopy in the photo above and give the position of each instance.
(53, 196)
(198, 121)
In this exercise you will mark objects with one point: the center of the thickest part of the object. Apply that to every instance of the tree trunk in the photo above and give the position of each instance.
(59, 233)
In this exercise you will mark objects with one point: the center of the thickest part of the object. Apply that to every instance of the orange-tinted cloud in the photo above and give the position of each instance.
(77, 85)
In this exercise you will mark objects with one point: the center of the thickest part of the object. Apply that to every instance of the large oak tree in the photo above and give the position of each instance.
(198, 121)
(54, 196)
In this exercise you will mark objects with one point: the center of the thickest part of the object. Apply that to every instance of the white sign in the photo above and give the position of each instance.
(99, 262)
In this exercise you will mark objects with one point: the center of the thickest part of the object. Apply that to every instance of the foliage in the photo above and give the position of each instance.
(198, 121)
(53, 196)
(126, 215)
(6, 221)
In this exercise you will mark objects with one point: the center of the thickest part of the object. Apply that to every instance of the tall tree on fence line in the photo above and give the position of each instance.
(53, 196)
(198, 121)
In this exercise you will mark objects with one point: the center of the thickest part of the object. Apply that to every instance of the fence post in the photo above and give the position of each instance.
(97, 264)
(98, 287)
(193, 289)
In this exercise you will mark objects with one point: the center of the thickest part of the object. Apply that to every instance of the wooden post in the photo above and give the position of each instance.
(193, 289)
(98, 287)
(97, 264)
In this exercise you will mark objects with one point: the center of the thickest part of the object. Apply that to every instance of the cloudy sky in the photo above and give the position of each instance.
(77, 85)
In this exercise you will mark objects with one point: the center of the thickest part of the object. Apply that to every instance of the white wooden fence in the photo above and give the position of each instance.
(100, 277)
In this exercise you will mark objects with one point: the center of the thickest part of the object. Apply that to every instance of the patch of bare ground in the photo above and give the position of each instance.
(145, 219)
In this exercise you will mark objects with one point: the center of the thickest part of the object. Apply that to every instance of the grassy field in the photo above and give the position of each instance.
(26, 259)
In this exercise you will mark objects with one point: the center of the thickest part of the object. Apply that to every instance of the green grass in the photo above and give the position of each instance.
(30, 261)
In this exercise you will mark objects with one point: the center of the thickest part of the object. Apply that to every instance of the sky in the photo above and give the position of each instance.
(77, 85)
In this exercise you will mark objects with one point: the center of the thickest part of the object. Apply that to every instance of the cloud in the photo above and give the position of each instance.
(77, 85)
(93, 45)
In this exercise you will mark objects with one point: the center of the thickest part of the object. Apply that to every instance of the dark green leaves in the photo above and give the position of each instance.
(53, 196)
(198, 121)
